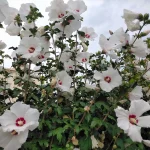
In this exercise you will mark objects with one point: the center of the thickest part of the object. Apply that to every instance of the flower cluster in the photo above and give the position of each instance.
(81, 100)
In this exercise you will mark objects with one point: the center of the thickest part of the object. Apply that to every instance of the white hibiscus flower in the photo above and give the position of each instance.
(78, 7)
(89, 34)
(63, 81)
(109, 79)
(131, 121)
(19, 118)
(57, 10)
(29, 47)
(83, 57)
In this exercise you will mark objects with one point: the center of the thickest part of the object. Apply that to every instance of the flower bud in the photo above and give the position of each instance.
(146, 16)
(91, 102)
(85, 47)
(74, 141)
(53, 82)
(140, 17)
(114, 146)
(110, 32)
(87, 108)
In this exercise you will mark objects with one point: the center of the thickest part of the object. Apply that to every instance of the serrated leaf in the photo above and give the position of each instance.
(85, 143)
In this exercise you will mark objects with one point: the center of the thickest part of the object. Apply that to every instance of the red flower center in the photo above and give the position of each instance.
(31, 49)
(69, 21)
(107, 79)
(84, 59)
(77, 10)
(41, 57)
(70, 67)
(132, 119)
(87, 36)
(20, 122)
(59, 82)
(60, 15)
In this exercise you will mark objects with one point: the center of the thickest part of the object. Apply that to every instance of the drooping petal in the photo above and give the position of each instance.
(134, 133)
(105, 86)
(22, 137)
(138, 107)
(144, 121)
(123, 118)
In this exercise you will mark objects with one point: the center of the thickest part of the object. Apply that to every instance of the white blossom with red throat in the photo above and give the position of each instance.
(74, 25)
(83, 57)
(89, 34)
(76, 6)
(57, 10)
(19, 118)
(70, 65)
(109, 79)
(29, 47)
(63, 81)
(131, 121)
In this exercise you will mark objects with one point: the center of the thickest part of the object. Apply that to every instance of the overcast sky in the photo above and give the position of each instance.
(102, 15)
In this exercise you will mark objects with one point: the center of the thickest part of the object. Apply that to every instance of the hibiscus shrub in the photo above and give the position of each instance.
(58, 96)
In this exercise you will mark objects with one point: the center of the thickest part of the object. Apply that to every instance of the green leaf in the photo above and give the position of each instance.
(58, 132)
(85, 143)
(101, 105)
(96, 122)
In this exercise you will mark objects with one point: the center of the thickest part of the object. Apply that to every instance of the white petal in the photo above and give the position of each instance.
(22, 137)
(19, 109)
(136, 93)
(7, 118)
(105, 86)
(98, 75)
(134, 133)
(123, 118)
(32, 115)
(144, 121)
(138, 107)
(5, 137)
(146, 142)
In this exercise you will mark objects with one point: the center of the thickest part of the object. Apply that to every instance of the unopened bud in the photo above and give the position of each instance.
(147, 32)
(92, 102)
(41, 30)
(114, 146)
(146, 16)
(85, 47)
(74, 141)
(110, 32)
(87, 108)
(65, 117)
(53, 82)
(50, 110)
